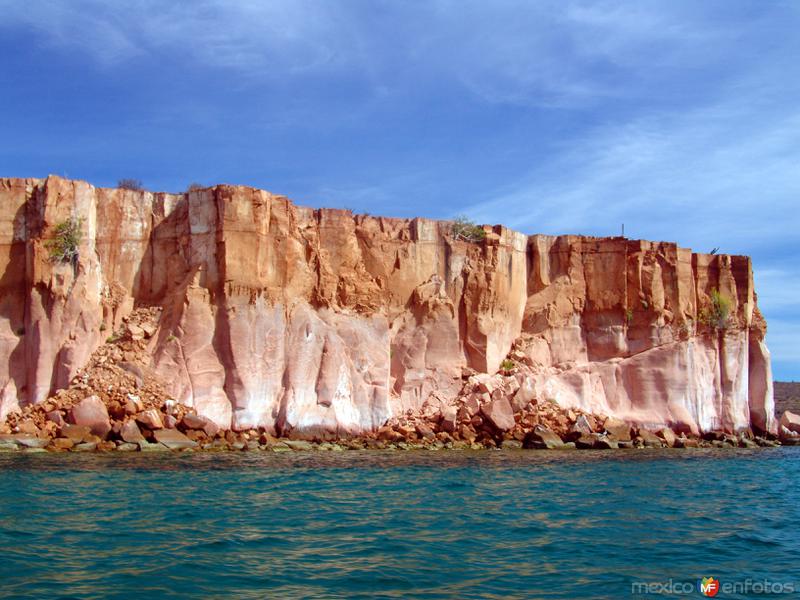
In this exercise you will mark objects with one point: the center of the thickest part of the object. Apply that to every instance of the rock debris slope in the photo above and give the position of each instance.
(325, 323)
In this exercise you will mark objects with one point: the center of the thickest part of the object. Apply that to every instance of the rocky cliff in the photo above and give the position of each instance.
(327, 323)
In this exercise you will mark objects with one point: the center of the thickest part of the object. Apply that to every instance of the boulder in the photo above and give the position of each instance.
(149, 329)
(127, 447)
(449, 418)
(57, 417)
(467, 434)
(586, 441)
(604, 443)
(524, 396)
(85, 447)
(76, 433)
(106, 446)
(24, 440)
(542, 437)
(424, 431)
(116, 410)
(193, 421)
(62, 443)
(130, 432)
(300, 445)
(486, 383)
(791, 422)
(582, 425)
(28, 428)
(650, 439)
(136, 332)
(173, 439)
(148, 447)
(511, 445)
(618, 429)
(151, 419)
(668, 436)
(472, 405)
(197, 422)
(499, 413)
(91, 412)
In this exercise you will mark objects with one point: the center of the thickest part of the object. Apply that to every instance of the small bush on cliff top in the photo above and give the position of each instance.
(63, 247)
(464, 229)
(194, 187)
(130, 184)
(719, 315)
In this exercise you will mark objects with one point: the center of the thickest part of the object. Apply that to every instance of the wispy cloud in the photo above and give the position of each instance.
(700, 177)
(552, 53)
(264, 37)
(677, 118)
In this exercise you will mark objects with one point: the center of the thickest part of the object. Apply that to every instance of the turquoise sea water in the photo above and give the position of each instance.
(489, 524)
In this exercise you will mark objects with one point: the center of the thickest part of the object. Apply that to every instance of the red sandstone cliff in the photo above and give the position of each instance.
(320, 321)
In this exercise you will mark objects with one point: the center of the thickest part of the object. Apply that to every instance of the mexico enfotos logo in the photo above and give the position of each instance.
(711, 587)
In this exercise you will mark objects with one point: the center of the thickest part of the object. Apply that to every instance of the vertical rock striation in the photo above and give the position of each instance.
(323, 323)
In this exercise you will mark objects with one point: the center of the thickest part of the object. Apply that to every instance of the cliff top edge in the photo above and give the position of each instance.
(496, 228)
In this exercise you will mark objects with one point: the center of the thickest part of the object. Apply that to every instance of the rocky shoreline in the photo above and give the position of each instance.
(118, 404)
(92, 425)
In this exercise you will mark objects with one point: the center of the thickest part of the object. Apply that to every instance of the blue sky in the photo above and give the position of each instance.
(680, 119)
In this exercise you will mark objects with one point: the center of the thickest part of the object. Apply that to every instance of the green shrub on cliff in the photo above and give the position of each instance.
(130, 184)
(63, 247)
(718, 316)
(464, 229)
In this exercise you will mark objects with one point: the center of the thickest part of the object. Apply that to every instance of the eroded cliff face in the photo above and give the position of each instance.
(326, 323)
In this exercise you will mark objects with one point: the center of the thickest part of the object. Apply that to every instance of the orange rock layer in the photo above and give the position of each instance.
(329, 323)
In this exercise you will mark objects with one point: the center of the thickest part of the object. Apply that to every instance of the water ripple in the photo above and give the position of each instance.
(394, 525)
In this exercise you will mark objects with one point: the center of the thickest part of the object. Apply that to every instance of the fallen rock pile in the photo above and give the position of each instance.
(117, 403)
(501, 411)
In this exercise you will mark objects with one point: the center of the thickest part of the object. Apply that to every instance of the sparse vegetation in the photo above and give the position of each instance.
(102, 326)
(194, 187)
(63, 247)
(464, 229)
(113, 338)
(629, 316)
(171, 338)
(718, 316)
(507, 365)
(130, 184)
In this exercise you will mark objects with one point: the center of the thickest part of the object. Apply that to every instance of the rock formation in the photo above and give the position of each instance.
(324, 323)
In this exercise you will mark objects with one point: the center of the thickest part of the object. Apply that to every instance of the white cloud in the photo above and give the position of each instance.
(719, 176)
(552, 53)
(265, 38)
